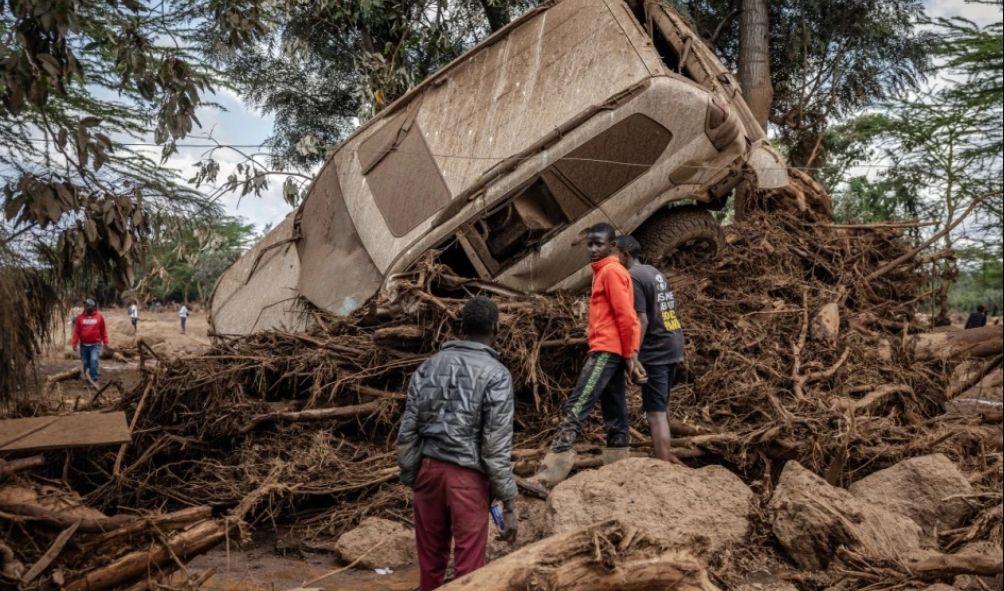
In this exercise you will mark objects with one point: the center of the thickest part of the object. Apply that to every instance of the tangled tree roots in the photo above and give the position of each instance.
(798, 347)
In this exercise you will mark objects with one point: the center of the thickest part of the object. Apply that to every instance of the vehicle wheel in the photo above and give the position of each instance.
(680, 236)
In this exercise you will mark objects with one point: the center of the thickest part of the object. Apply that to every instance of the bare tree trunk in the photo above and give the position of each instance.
(496, 13)
(754, 59)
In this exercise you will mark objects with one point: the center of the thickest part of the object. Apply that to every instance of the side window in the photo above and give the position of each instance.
(565, 192)
(402, 175)
(606, 163)
(520, 223)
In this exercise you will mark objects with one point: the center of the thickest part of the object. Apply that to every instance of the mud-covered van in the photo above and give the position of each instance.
(581, 111)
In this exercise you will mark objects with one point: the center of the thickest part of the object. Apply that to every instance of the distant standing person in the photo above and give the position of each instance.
(661, 350)
(183, 317)
(977, 318)
(454, 448)
(134, 315)
(89, 334)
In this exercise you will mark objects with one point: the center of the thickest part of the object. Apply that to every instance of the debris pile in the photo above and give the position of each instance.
(804, 363)
(50, 539)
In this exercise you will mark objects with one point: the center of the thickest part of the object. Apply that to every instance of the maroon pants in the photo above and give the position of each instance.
(450, 502)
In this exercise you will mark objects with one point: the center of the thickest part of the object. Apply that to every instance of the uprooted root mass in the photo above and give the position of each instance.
(311, 418)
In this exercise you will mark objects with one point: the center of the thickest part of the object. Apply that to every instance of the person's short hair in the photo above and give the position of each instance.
(479, 317)
(629, 245)
(981, 309)
(603, 228)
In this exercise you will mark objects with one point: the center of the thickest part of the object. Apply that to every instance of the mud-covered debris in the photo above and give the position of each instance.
(607, 556)
(377, 543)
(702, 510)
(928, 489)
(812, 520)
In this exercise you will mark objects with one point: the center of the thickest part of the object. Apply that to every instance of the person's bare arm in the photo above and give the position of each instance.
(643, 322)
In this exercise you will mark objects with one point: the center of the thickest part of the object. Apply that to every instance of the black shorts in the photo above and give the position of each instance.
(655, 392)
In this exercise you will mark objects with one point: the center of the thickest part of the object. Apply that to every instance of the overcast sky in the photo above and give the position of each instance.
(241, 124)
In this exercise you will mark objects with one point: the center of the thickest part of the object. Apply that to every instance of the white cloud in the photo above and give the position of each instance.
(981, 14)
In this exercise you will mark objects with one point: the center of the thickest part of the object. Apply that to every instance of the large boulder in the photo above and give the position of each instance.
(377, 543)
(812, 519)
(702, 510)
(926, 489)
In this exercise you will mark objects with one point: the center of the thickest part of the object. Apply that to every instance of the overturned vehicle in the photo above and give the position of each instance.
(581, 111)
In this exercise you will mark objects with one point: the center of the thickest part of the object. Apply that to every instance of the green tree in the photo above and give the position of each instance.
(973, 57)
(80, 81)
(938, 151)
(186, 259)
(828, 59)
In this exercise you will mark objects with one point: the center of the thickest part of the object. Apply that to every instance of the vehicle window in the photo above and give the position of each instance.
(522, 221)
(403, 177)
(606, 163)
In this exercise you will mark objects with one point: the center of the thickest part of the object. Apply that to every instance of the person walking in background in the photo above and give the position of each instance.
(183, 317)
(134, 315)
(89, 334)
(978, 318)
(454, 448)
(613, 336)
(661, 350)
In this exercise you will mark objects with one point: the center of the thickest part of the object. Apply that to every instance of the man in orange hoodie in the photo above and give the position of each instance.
(613, 336)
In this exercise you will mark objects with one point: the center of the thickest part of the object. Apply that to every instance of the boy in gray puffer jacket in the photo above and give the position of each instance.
(455, 447)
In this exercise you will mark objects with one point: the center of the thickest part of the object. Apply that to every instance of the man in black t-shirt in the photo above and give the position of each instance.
(661, 341)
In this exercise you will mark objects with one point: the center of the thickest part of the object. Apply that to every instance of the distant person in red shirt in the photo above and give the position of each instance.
(613, 335)
(89, 334)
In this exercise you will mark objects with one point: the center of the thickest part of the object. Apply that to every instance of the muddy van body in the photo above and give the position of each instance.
(581, 111)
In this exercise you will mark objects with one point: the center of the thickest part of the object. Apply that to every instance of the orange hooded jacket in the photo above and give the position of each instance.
(613, 322)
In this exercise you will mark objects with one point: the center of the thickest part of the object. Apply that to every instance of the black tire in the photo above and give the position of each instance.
(680, 236)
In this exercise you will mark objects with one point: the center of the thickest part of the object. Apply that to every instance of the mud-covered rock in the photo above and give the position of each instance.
(377, 543)
(703, 510)
(812, 519)
(826, 323)
(926, 489)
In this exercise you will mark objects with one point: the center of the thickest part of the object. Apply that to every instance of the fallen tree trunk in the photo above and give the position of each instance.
(974, 377)
(977, 342)
(314, 414)
(40, 514)
(607, 556)
(183, 545)
(8, 467)
(944, 566)
(395, 335)
(167, 521)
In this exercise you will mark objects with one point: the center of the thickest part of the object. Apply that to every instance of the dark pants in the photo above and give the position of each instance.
(655, 392)
(450, 503)
(602, 378)
(183, 320)
(89, 357)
